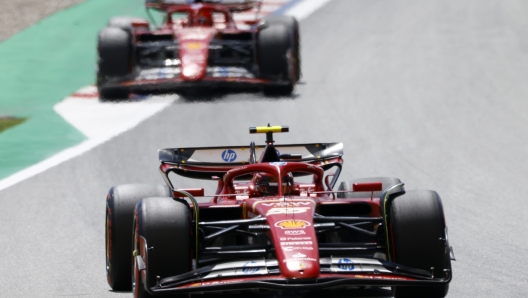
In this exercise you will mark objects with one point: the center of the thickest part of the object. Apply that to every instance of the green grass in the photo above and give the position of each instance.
(7, 122)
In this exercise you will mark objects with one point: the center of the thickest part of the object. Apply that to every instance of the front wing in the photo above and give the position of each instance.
(264, 274)
(169, 79)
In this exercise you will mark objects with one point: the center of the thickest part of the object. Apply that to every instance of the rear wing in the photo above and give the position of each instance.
(239, 155)
(207, 162)
(232, 5)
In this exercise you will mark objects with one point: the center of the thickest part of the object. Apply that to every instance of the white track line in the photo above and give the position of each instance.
(104, 121)
(101, 122)
(112, 124)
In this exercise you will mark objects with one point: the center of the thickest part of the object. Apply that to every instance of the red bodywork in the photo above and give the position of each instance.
(290, 212)
(193, 36)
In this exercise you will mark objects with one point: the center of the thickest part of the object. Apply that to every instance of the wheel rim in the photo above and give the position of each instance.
(135, 272)
(108, 241)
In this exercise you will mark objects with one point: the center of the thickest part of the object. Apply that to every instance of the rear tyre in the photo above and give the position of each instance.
(275, 49)
(418, 226)
(120, 203)
(293, 24)
(166, 226)
(114, 61)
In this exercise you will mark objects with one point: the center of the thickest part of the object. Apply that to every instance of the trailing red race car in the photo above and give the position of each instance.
(275, 222)
(198, 45)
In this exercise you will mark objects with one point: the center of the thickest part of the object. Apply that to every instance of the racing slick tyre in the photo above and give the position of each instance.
(120, 203)
(347, 185)
(166, 226)
(114, 61)
(293, 24)
(419, 239)
(276, 43)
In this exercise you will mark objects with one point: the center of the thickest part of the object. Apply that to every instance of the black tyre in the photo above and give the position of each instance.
(293, 24)
(347, 185)
(275, 49)
(166, 226)
(418, 232)
(114, 61)
(120, 203)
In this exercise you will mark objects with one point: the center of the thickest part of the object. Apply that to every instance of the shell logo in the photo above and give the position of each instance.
(193, 46)
(292, 224)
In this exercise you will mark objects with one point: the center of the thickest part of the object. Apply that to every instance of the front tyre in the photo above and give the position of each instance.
(276, 51)
(293, 25)
(166, 226)
(114, 62)
(120, 203)
(419, 239)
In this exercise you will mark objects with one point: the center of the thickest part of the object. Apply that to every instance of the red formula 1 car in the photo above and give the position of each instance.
(198, 45)
(275, 222)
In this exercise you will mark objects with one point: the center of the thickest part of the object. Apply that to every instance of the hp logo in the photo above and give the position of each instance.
(345, 264)
(229, 155)
(249, 269)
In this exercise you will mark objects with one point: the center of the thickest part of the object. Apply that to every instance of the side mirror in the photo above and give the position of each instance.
(367, 186)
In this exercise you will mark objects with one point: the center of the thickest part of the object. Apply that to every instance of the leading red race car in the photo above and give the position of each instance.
(198, 45)
(275, 222)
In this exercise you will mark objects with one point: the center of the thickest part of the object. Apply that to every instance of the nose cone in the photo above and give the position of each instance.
(193, 71)
(295, 243)
(194, 51)
(299, 267)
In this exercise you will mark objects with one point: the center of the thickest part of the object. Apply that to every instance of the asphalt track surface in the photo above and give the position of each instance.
(433, 92)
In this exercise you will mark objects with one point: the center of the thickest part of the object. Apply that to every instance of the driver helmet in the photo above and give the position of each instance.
(204, 18)
(268, 185)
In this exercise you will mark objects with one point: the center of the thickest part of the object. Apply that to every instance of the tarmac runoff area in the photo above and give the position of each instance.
(91, 122)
